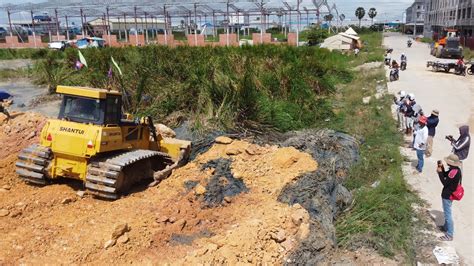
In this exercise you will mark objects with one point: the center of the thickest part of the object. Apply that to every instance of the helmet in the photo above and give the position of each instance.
(411, 96)
(403, 93)
(423, 120)
(403, 54)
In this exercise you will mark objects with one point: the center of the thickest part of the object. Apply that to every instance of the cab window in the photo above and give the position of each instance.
(113, 112)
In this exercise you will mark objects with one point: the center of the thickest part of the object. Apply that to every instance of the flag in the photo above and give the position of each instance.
(116, 65)
(82, 59)
(78, 65)
(109, 74)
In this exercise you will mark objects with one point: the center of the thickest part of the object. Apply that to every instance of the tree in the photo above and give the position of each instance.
(360, 13)
(372, 14)
(316, 35)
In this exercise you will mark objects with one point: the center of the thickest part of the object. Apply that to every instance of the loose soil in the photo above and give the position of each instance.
(228, 205)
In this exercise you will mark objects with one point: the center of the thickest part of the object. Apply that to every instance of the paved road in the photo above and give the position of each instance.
(453, 96)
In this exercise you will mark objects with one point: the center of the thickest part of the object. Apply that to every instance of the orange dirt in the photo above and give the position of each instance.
(166, 224)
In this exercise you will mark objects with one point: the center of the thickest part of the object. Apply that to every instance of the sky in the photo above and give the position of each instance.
(388, 10)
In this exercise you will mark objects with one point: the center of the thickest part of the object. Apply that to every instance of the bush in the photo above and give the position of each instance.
(279, 86)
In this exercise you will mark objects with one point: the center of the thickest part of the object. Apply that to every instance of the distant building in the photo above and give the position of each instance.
(415, 17)
(457, 14)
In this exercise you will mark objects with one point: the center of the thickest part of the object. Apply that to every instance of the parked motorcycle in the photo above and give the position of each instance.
(460, 70)
(470, 70)
(403, 65)
(394, 75)
(409, 43)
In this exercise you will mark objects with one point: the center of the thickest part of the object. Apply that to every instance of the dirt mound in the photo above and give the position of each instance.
(20, 131)
(235, 203)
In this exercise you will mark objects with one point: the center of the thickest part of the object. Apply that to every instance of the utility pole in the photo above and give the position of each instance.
(33, 23)
(195, 24)
(136, 25)
(57, 23)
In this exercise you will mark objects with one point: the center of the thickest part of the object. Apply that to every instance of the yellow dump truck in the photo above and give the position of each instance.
(91, 141)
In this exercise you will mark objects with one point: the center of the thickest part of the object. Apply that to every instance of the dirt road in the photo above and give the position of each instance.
(453, 96)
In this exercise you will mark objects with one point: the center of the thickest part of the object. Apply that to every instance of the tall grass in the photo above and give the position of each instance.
(278, 86)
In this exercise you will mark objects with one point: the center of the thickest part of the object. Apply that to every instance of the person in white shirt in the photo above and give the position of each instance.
(421, 139)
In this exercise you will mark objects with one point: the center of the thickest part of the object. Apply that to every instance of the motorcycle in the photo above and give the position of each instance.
(403, 65)
(409, 44)
(460, 70)
(394, 75)
(388, 61)
(470, 70)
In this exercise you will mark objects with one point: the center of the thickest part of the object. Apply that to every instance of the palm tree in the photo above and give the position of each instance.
(328, 18)
(372, 14)
(360, 13)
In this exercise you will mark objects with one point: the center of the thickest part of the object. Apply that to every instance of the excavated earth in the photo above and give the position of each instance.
(234, 203)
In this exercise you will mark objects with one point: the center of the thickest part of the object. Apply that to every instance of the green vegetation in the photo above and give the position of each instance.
(468, 54)
(426, 40)
(280, 87)
(381, 217)
(15, 73)
(26, 53)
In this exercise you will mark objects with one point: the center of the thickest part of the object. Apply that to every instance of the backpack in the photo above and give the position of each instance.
(458, 193)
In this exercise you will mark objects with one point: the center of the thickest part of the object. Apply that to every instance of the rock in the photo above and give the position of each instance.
(180, 224)
(162, 219)
(375, 184)
(303, 231)
(223, 140)
(172, 219)
(378, 95)
(251, 150)
(4, 213)
(232, 151)
(287, 245)
(80, 193)
(16, 213)
(123, 239)
(279, 236)
(211, 247)
(119, 230)
(2, 190)
(366, 100)
(165, 131)
(110, 243)
(31, 135)
(299, 216)
(200, 189)
(227, 199)
(6, 187)
(67, 200)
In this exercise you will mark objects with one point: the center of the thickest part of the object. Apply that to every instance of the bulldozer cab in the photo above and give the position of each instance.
(91, 106)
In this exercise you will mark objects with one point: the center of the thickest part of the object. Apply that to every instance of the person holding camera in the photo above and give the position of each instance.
(462, 144)
(450, 180)
(421, 137)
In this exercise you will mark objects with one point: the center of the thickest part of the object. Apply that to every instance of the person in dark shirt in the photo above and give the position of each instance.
(433, 121)
(450, 180)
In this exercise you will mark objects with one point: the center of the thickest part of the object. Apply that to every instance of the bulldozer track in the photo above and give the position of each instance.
(102, 179)
(32, 163)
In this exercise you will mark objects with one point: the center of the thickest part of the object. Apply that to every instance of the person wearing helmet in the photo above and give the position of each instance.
(403, 58)
(399, 102)
(410, 113)
(421, 138)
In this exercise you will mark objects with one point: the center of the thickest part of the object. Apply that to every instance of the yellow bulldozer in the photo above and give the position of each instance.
(93, 141)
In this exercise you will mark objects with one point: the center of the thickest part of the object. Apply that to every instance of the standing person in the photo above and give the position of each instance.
(421, 136)
(432, 123)
(450, 180)
(410, 113)
(399, 102)
(356, 51)
(462, 144)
